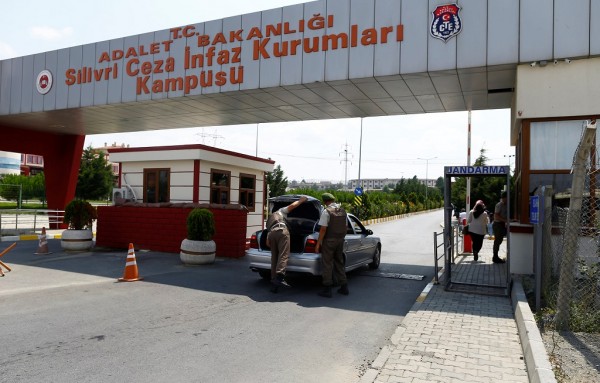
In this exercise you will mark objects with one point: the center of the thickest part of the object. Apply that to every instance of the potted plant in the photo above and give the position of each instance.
(79, 216)
(199, 248)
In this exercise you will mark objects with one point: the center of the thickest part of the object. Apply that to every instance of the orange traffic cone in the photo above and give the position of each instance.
(43, 246)
(131, 270)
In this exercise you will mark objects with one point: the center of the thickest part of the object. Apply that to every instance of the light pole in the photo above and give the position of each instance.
(426, 178)
(509, 156)
(256, 155)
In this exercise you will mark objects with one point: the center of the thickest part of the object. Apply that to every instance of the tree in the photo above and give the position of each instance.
(11, 189)
(439, 183)
(96, 178)
(31, 187)
(277, 182)
(486, 189)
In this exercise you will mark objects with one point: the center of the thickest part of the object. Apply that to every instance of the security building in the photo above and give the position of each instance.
(193, 174)
(321, 60)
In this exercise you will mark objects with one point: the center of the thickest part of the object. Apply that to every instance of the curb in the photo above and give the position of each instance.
(538, 364)
(32, 237)
(27, 237)
(539, 369)
(372, 221)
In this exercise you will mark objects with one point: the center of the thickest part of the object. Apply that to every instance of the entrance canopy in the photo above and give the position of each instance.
(319, 60)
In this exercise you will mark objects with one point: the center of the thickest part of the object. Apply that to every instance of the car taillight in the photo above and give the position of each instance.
(310, 245)
(253, 242)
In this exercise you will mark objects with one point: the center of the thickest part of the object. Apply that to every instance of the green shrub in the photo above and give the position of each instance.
(80, 215)
(200, 225)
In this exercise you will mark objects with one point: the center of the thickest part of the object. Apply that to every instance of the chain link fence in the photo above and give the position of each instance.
(11, 193)
(570, 271)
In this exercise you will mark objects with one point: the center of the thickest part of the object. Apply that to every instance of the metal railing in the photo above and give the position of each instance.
(437, 244)
(21, 221)
(458, 239)
(451, 251)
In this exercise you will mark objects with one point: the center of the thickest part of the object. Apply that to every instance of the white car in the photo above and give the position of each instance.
(360, 246)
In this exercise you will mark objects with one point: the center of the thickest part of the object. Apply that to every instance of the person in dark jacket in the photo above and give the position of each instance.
(499, 226)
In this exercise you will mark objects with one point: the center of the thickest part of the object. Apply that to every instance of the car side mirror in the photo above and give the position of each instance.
(369, 232)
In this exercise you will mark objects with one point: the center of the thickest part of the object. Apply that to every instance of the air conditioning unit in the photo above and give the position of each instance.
(123, 193)
(119, 194)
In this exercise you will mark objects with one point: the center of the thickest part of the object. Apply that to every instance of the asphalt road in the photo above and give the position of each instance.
(64, 317)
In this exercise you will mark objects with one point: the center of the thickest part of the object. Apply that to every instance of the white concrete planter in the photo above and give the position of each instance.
(197, 252)
(77, 240)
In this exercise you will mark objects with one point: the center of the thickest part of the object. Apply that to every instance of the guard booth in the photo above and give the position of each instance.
(462, 273)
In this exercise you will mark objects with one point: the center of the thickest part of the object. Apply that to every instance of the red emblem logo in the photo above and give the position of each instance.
(446, 22)
(44, 82)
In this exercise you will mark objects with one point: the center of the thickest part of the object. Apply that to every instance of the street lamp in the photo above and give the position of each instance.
(426, 178)
(509, 156)
(257, 139)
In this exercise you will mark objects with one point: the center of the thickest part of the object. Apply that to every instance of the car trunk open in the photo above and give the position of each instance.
(301, 221)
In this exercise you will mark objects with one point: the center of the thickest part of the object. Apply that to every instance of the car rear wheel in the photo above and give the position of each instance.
(376, 258)
(265, 274)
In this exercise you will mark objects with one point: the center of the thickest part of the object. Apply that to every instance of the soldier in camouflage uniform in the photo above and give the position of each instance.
(278, 240)
(331, 242)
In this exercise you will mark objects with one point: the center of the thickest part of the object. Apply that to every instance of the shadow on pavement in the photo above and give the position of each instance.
(370, 290)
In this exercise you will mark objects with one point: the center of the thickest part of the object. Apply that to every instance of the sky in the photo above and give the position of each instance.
(328, 150)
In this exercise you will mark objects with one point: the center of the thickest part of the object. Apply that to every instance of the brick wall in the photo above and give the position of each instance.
(163, 228)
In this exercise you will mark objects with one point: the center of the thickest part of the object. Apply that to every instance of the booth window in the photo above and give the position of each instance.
(220, 183)
(552, 145)
(156, 185)
(248, 190)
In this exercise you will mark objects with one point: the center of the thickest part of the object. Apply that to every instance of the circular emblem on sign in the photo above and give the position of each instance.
(44, 82)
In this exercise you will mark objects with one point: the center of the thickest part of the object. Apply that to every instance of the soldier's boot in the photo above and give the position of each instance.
(326, 292)
(344, 289)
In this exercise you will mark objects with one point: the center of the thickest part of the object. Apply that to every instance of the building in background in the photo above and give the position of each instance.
(9, 163)
(31, 164)
(314, 185)
(380, 183)
(105, 150)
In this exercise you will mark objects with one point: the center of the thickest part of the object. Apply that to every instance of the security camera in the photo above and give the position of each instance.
(555, 62)
(568, 61)
(533, 64)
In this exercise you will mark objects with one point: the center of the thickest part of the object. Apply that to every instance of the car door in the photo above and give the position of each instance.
(352, 244)
(362, 245)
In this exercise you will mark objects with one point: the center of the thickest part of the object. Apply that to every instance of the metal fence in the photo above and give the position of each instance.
(570, 246)
(455, 243)
(436, 255)
(28, 221)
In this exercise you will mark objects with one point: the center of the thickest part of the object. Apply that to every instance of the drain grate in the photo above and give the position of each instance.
(393, 275)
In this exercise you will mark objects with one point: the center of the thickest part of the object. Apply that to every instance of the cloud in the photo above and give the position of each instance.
(7, 51)
(49, 33)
